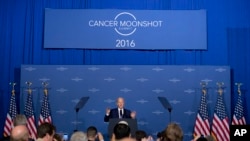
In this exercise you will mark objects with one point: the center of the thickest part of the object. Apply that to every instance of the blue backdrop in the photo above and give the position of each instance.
(140, 85)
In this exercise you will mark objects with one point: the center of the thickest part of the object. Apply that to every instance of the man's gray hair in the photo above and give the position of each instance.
(79, 136)
(20, 119)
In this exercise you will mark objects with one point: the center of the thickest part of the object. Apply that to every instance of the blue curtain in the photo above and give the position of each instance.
(239, 50)
(21, 40)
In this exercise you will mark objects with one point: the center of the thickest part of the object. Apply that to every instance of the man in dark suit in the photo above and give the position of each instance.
(119, 112)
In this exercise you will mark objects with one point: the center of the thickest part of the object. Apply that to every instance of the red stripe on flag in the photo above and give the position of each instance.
(32, 127)
(220, 129)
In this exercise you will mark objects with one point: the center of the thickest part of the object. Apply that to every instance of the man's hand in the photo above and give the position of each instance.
(100, 136)
(133, 114)
(107, 111)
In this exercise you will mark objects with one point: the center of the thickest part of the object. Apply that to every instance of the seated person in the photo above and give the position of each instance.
(173, 132)
(46, 132)
(19, 133)
(93, 134)
(140, 134)
(57, 137)
(121, 131)
(78, 136)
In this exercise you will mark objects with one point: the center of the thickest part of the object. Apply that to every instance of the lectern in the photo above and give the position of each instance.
(132, 123)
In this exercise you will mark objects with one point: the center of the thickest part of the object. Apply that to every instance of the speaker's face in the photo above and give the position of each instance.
(120, 103)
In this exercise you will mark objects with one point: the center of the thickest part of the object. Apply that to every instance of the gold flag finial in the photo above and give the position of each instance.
(204, 88)
(239, 85)
(45, 90)
(13, 87)
(29, 86)
(220, 87)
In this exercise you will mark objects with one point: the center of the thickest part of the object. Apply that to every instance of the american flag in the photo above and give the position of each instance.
(10, 115)
(238, 116)
(45, 115)
(29, 113)
(202, 125)
(220, 125)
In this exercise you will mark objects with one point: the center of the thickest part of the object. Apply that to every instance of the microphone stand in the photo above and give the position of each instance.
(169, 110)
(166, 105)
(78, 106)
(77, 110)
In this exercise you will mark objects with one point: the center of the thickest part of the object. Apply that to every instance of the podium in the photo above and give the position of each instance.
(132, 123)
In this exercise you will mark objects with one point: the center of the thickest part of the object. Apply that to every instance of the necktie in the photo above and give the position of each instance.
(120, 113)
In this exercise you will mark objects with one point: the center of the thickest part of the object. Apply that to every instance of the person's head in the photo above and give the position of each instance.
(20, 119)
(46, 131)
(161, 135)
(210, 138)
(201, 138)
(120, 102)
(57, 137)
(19, 133)
(140, 134)
(121, 130)
(78, 136)
(91, 132)
(173, 132)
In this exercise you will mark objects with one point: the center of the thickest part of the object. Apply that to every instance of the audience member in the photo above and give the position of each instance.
(121, 131)
(210, 138)
(173, 132)
(93, 134)
(160, 135)
(140, 134)
(20, 119)
(119, 112)
(128, 139)
(201, 138)
(7, 138)
(57, 137)
(45, 132)
(78, 136)
(19, 133)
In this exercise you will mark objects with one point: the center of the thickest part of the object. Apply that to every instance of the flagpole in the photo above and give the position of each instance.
(29, 87)
(220, 87)
(220, 124)
(238, 115)
(13, 88)
(76, 121)
(204, 88)
(45, 90)
(202, 125)
(29, 112)
(11, 113)
(238, 85)
(45, 115)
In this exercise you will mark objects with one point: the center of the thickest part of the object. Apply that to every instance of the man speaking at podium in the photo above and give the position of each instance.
(119, 112)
